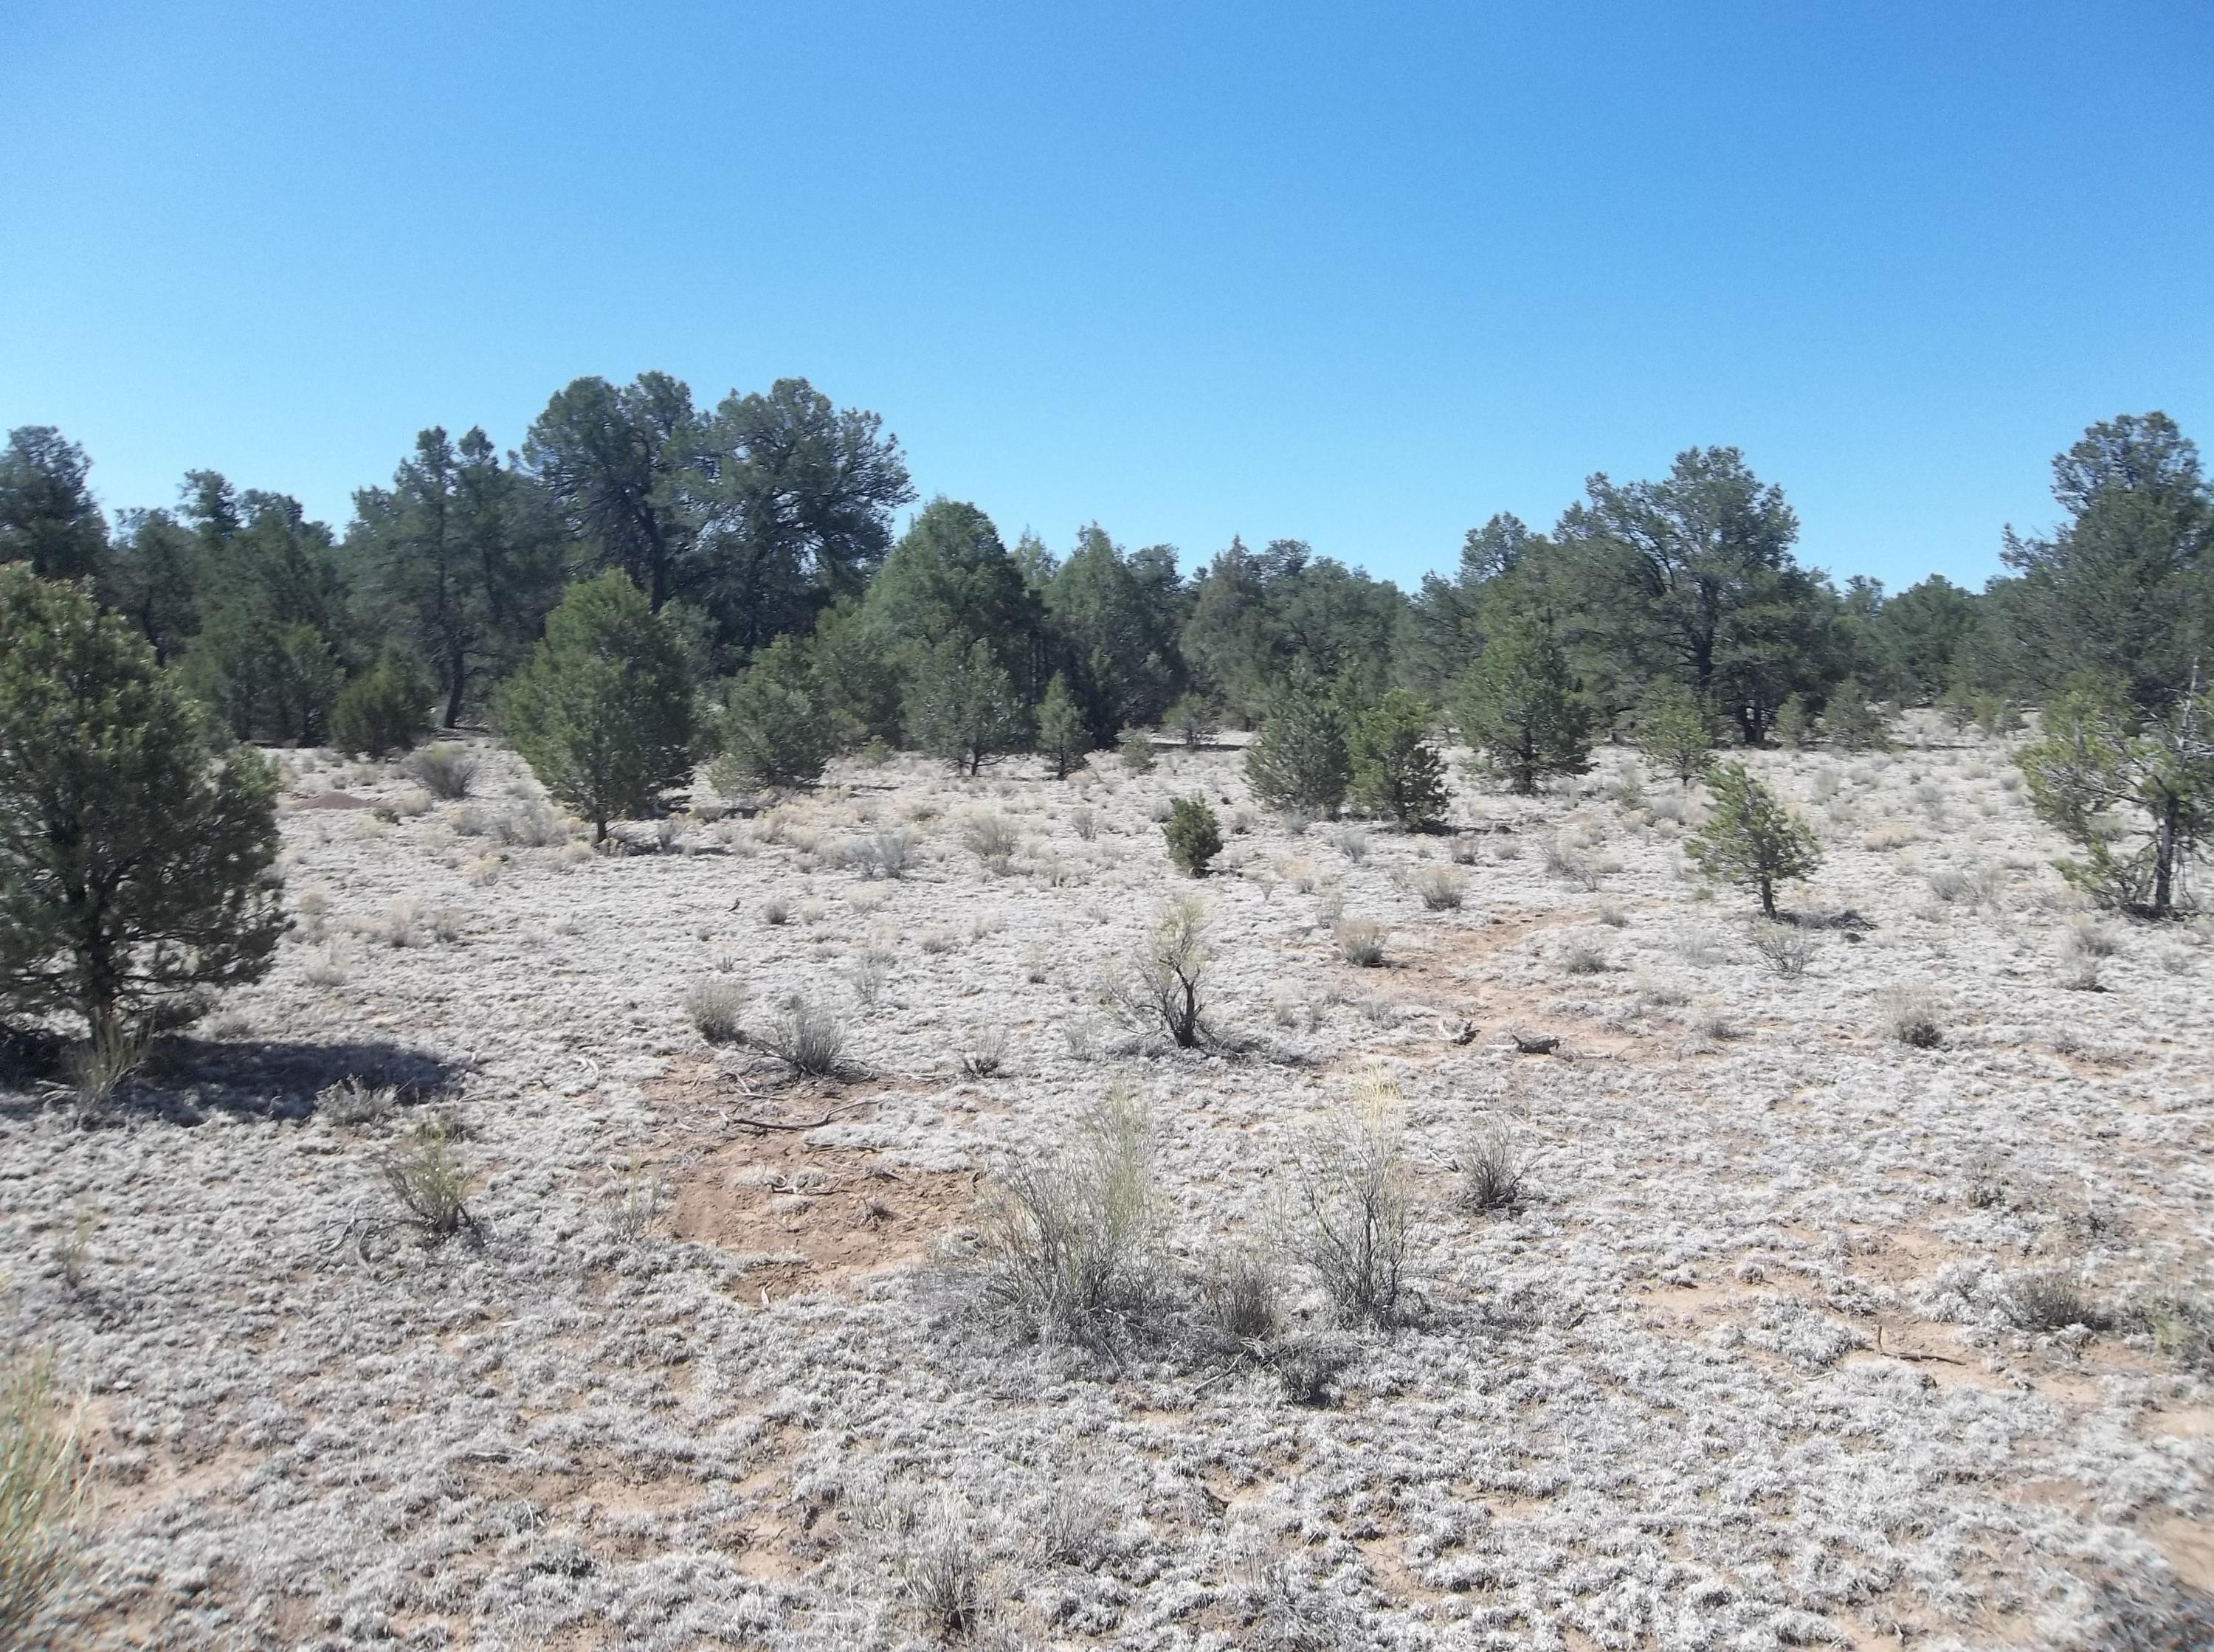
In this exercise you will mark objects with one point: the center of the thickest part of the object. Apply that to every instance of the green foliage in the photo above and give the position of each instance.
(383, 709)
(776, 731)
(951, 582)
(1675, 732)
(602, 710)
(1192, 719)
(612, 463)
(1257, 618)
(962, 706)
(1115, 617)
(271, 656)
(458, 558)
(134, 871)
(1301, 760)
(2119, 593)
(1751, 839)
(1397, 770)
(1519, 709)
(1795, 726)
(1136, 751)
(47, 516)
(852, 659)
(1851, 723)
(2135, 796)
(1062, 734)
(1194, 835)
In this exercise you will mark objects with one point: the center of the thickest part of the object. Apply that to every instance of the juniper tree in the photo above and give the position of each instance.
(135, 866)
(602, 710)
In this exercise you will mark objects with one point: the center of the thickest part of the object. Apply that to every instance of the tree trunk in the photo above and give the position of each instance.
(2163, 861)
(1767, 896)
(457, 681)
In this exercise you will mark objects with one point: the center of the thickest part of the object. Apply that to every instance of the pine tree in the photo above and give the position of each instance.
(2135, 796)
(1519, 710)
(776, 731)
(1301, 760)
(383, 709)
(1675, 732)
(135, 871)
(1063, 737)
(1751, 838)
(1852, 724)
(1397, 769)
(961, 706)
(602, 710)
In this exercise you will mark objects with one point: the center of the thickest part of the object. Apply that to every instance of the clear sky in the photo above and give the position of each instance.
(1357, 275)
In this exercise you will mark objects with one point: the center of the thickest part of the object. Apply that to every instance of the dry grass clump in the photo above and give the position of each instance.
(870, 974)
(1584, 959)
(1070, 1242)
(1440, 888)
(99, 1065)
(715, 1004)
(428, 1180)
(1911, 1016)
(776, 911)
(43, 1480)
(353, 1101)
(2052, 1300)
(946, 1578)
(1240, 1296)
(1164, 984)
(808, 1040)
(1570, 859)
(1352, 842)
(992, 838)
(884, 853)
(530, 825)
(1351, 1222)
(1491, 1166)
(1977, 885)
(1361, 942)
(986, 1054)
(1784, 947)
(445, 771)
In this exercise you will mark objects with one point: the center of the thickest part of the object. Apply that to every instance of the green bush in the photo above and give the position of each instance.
(602, 710)
(1194, 835)
(1063, 737)
(384, 709)
(1519, 709)
(135, 871)
(1675, 732)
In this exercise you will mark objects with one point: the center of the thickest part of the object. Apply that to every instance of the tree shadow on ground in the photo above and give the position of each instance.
(186, 1079)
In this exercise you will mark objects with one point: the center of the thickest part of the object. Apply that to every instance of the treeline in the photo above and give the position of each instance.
(761, 534)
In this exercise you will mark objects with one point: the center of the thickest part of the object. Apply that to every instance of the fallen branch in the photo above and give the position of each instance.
(1928, 1359)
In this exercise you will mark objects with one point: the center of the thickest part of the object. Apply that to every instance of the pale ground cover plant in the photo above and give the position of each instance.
(1912, 1016)
(378, 1445)
(430, 1181)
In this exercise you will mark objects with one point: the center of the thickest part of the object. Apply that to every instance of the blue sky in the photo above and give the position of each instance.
(1361, 275)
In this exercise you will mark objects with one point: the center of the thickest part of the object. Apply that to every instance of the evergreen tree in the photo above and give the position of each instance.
(2122, 591)
(47, 516)
(1301, 760)
(383, 709)
(1063, 737)
(134, 871)
(601, 709)
(1851, 723)
(152, 579)
(1115, 618)
(950, 580)
(776, 730)
(1191, 720)
(1674, 734)
(1397, 770)
(962, 706)
(1519, 710)
(852, 660)
(613, 463)
(1751, 838)
(2135, 793)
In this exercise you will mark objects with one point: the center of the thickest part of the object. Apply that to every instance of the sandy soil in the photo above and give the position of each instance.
(1744, 1371)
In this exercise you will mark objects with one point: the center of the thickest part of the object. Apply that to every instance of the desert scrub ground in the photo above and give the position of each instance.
(1859, 1306)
